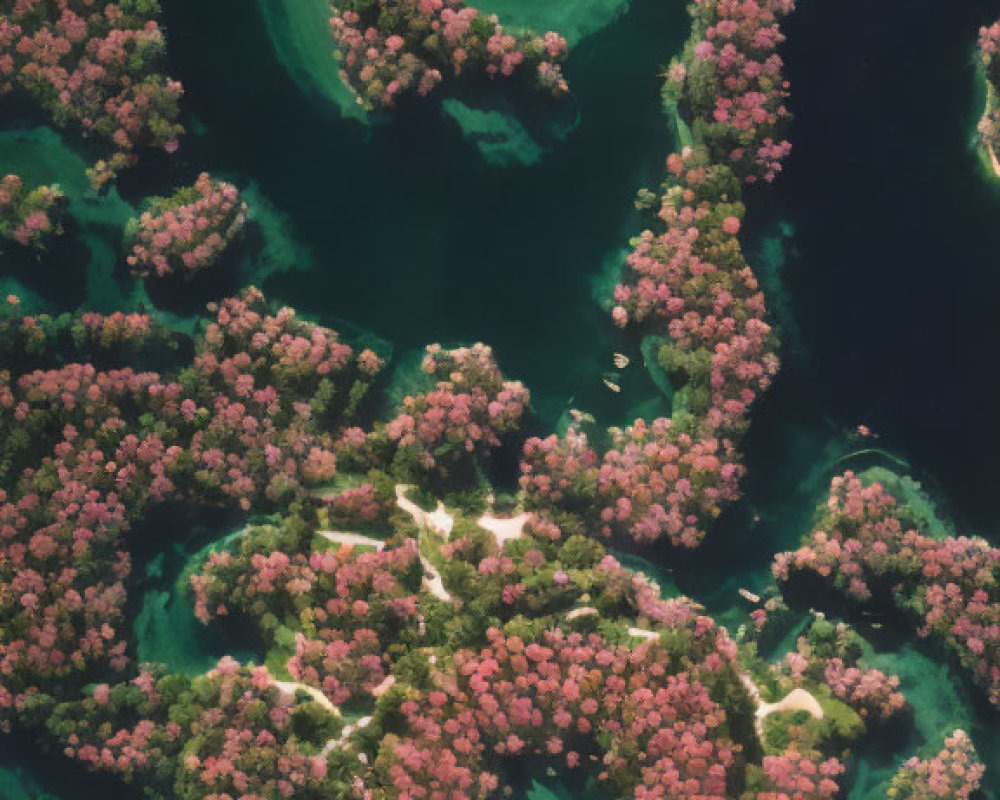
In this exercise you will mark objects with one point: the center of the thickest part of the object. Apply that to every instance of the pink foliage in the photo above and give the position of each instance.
(989, 48)
(30, 217)
(661, 735)
(953, 774)
(654, 481)
(870, 692)
(866, 545)
(731, 85)
(188, 231)
(397, 47)
(90, 450)
(796, 776)
(559, 472)
(688, 281)
(359, 505)
(693, 283)
(667, 483)
(235, 737)
(350, 606)
(92, 66)
(471, 407)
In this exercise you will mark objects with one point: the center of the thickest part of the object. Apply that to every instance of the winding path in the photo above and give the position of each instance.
(642, 633)
(796, 700)
(349, 729)
(439, 521)
(291, 687)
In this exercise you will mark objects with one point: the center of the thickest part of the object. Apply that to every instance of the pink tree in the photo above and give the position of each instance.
(401, 47)
(867, 548)
(30, 217)
(953, 774)
(186, 232)
(93, 67)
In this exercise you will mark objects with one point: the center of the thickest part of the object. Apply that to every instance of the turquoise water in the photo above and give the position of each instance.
(412, 233)
(165, 630)
(424, 230)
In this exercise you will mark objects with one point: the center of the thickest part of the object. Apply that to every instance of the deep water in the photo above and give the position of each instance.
(891, 278)
(892, 273)
(412, 233)
(878, 248)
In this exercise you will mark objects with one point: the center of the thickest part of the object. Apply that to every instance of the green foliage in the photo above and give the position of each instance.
(313, 723)
(580, 552)
(281, 650)
(841, 723)
(834, 640)
(529, 630)
(414, 668)
(839, 728)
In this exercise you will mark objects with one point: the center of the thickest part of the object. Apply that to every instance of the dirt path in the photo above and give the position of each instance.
(357, 539)
(439, 521)
(796, 700)
(504, 529)
(291, 687)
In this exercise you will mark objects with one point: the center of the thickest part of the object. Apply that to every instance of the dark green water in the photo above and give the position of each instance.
(893, 274)
(889, 278)
(413, 235)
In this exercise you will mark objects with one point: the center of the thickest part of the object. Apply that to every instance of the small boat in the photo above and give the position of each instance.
(621, 361)
(614, 387)
(746, 594)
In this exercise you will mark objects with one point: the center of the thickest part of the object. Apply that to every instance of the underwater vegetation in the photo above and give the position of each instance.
(438, 589)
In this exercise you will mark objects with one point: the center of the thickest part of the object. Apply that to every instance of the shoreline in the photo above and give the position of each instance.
(983, 146)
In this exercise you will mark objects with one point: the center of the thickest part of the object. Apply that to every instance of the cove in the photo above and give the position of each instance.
(413, 235)
(883, 233)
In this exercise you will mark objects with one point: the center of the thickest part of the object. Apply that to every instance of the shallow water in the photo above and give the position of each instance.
(878, 248)
(413, 235)
(165, 630)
